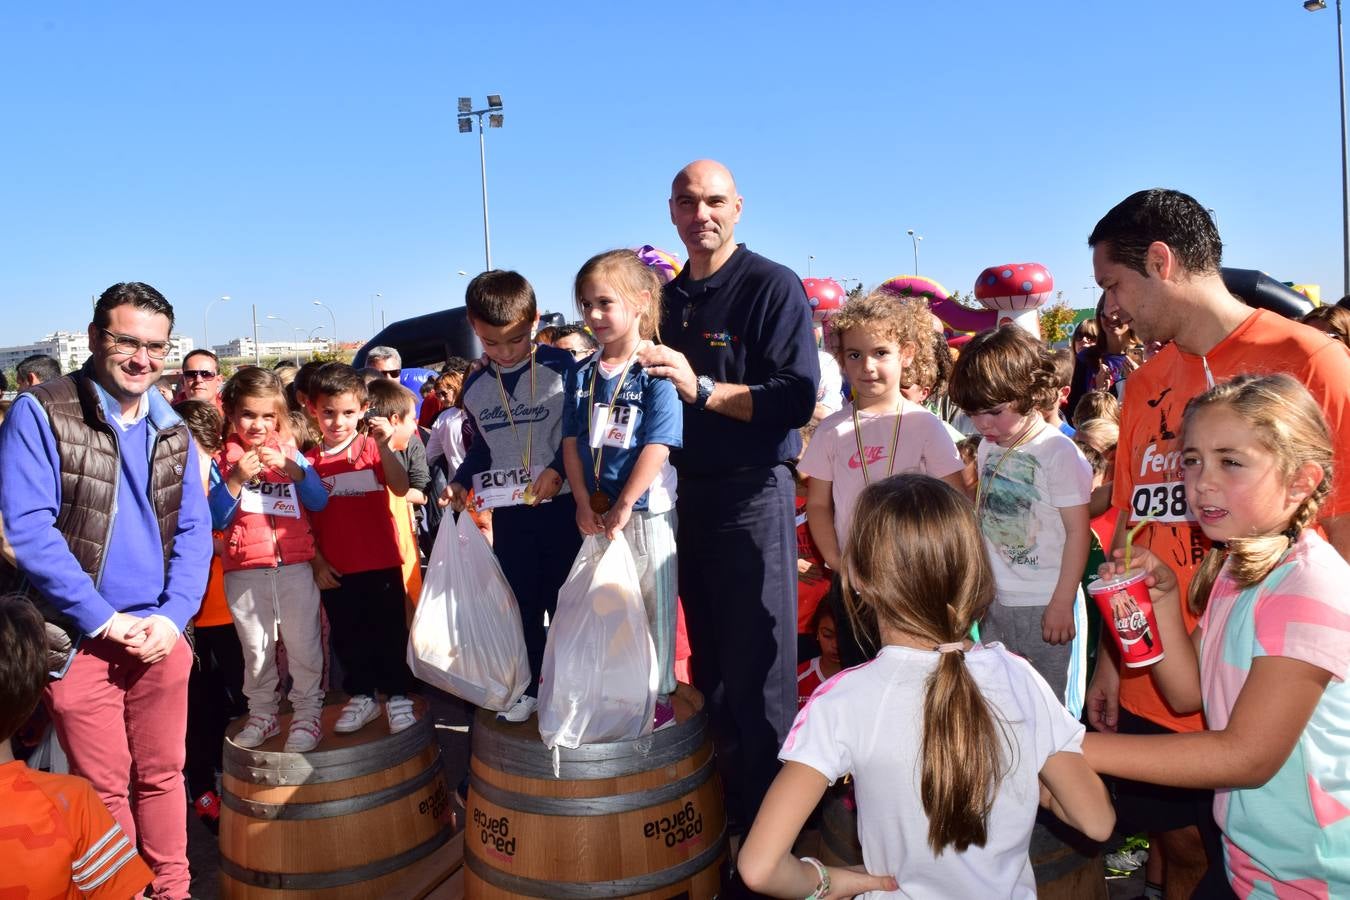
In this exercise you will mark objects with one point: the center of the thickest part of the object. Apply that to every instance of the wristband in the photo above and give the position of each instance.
(823, 887)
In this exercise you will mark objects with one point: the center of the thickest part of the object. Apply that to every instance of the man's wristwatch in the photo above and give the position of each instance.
(703, 390)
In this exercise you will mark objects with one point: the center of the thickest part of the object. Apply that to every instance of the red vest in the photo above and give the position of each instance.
(258, 540)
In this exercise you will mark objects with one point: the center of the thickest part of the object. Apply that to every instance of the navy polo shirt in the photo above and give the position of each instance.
(748, 323)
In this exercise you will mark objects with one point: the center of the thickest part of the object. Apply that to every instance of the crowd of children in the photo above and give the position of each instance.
(950, 516)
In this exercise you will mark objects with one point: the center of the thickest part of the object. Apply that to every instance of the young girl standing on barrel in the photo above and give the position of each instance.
(262, 490)
(952, 743)
(619, 425)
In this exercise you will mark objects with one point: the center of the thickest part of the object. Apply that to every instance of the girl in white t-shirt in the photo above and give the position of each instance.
(952, 744)
(878, 338)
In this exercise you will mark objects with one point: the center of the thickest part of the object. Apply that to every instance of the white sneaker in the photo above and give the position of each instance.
(303, 735)
(521, 711)
(359, 711)
(399, 711)
(256, 730)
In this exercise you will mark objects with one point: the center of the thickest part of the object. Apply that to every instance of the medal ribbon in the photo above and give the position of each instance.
(1030, 433)
(511, 420)
(895, 442)
(590, 409)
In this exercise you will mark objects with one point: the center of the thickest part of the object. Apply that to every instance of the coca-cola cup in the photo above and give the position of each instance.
(1126, 606)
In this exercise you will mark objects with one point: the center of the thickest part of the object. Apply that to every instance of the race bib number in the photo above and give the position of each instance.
(503, 487)
(612, 426)
(352, 484)
(272, 498)
(1160, 502)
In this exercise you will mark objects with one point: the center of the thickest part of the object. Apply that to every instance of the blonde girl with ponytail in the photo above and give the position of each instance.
(952, 744)
(1269, 657)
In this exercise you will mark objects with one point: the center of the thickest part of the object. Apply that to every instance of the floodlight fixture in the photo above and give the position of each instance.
(1314, 5)
(495, 119)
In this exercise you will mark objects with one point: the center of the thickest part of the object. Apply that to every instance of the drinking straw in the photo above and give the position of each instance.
(1129, 539)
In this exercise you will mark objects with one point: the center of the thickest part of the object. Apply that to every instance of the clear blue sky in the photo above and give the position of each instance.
(284, 152)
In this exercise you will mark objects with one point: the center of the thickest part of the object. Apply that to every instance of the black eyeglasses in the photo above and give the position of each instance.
(392, 373)
(203, 374)
(126, 345)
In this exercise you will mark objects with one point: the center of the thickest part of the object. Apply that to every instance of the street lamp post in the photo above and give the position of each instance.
(809, 260)
(295, 348)
(257, 351)
(331, 315)
(1314, 6)
(494, 114)
(206, 334)
(915, 238)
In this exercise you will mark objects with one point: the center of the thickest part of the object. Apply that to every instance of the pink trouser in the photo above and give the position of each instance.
(123, 724)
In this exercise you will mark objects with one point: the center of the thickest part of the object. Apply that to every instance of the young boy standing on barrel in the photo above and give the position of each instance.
(514, 464)
(359, 567)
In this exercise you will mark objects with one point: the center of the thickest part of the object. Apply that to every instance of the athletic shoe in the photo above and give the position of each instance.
(207, 808)
(399, 710)
(521, 711)
(256, 730)
(1130, 857)
(304, 735)
(665, 715)
(359, 711)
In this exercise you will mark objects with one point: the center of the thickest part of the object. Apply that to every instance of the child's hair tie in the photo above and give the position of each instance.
(953, 647)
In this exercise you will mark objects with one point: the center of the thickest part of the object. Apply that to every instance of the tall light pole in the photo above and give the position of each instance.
(809, 260)
(1314, 6)
(295, 348)
(373, 321)
(494, 114)
(331, 315)
(257, 351)
(915, 238)
(310, 338)
(206, 334)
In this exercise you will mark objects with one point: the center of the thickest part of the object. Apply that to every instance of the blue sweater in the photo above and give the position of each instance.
(134, 577)
(748, 323)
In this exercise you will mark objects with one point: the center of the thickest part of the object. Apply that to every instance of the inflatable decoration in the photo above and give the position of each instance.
(953, 314)
(825, 296)
(666, 264)
(1015, 291)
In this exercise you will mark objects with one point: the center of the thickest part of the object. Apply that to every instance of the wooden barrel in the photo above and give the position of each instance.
(839, 827)
(642, 818)
(364, 815)
(1068, 866)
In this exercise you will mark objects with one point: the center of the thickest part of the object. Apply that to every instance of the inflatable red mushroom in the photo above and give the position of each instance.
(1015, 290)
(824, 295)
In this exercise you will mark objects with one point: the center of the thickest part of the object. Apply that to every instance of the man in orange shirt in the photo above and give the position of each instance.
(56, 837)
(1156, 255)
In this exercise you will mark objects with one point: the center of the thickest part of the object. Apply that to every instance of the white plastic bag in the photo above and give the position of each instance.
(466, 637)
(600, 677)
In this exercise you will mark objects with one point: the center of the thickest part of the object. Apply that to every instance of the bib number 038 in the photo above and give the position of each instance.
(1161, 502)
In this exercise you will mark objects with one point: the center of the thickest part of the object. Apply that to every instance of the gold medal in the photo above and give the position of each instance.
(528, 496)
(600, 502)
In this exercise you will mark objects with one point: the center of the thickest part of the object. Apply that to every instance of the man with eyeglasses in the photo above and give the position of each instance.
(200, 378)
(102, 502)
